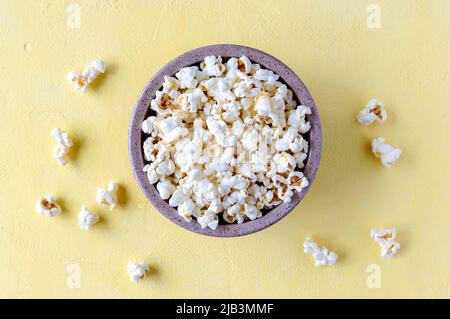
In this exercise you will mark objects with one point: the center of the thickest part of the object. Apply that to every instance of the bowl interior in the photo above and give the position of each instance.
(194, 57)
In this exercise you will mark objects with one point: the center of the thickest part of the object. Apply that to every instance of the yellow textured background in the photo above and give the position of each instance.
(405, 64)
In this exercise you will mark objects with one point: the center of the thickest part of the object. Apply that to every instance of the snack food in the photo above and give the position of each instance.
(137, 270)
(47, 206)
(107, 197)
(373, 111)
(322, 256)
(64, 143)
(225, 139)
(386, 239)
(86, 218)
(81, 81)
(385, 152)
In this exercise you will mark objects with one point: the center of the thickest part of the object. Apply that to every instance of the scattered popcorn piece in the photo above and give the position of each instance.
(225, 138)
(108, 197)
(64, 143)
(86, 218)
(374, 111)
(186, 209)
(297, 118)
(322, 256)
(386, 152)
(47, 206)
(82, 81)
(137, 270)
(386, 239)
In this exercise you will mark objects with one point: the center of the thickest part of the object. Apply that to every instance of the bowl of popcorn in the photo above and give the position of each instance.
(225, 140)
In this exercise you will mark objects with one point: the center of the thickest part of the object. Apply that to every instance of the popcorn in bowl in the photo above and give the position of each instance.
(225, 142)
(108, 197)
(47, 206)
(387, 154)
(386, 239)
(81, 81)
(373, 111)
(322, 256)
(137, 270)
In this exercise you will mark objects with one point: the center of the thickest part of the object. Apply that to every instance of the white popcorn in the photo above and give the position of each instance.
(244, 64)
(322, 256)
(297, 118)
(266, 198)
(386, 239)
(228, 218)
(92, 70)
(64, 143)
(178, 197)
(152, 176)
(82, 81)
(374, 111)
(226, 140)
(108, 197)
(219, 89)
(250, 140)
(218, 129)
(148, 124)
(386, 152)
(247, 88)
(156, 152)
(186, 76)
(266, 75)
(208, 220)
(47, 206)
(186, 209)
(192, 100)
(236, 213)
(266, 109)
(86, 218)
(284, 194)
(186, 155)
(282, 92)
(300, 158)
(165, 189)
(284, 162)
(170, 84)
(171, 130)
(252, 212)
(212, 66)
(163, 103)
(297, 181)
(232, 112)
(77, 81)
(137, 270)
(165, 168)
(282, 145)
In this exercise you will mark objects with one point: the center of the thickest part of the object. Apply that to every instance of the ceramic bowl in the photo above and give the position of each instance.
(194, 57)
